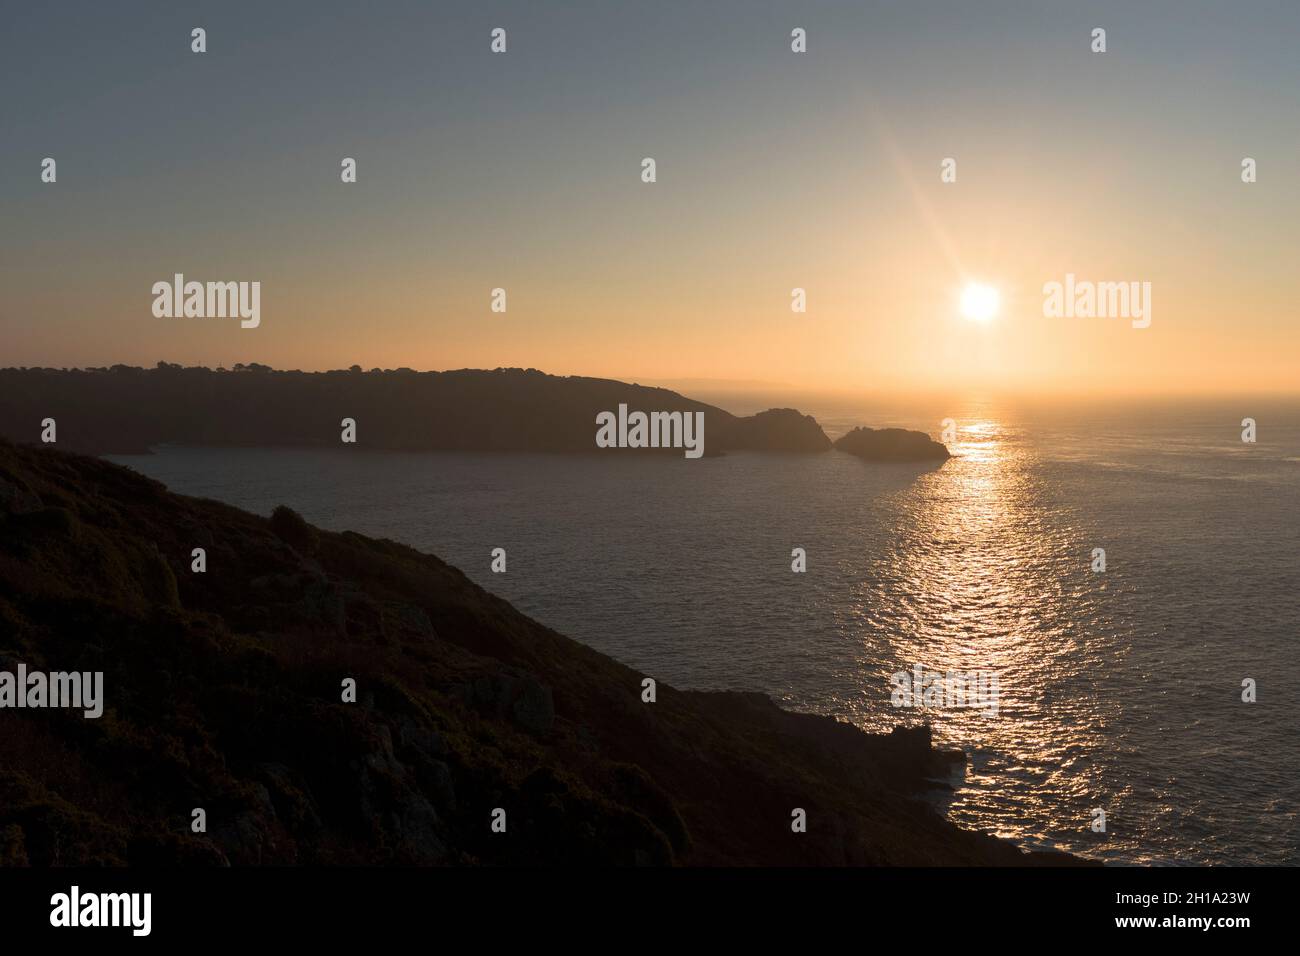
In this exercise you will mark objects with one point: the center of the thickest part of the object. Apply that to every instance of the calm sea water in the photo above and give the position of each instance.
(1119, 690)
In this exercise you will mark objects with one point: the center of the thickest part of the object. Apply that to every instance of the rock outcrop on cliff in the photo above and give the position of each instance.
(777, 429)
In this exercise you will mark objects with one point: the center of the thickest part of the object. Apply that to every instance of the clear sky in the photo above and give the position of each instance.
(776, 170)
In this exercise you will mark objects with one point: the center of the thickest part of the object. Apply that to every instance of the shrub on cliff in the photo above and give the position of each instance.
(290, 528)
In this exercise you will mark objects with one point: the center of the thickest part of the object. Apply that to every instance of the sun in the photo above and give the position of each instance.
(979, 302)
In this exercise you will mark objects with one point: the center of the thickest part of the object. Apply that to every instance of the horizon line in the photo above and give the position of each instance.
(704, 383)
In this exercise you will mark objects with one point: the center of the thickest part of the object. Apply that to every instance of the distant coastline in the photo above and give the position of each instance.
(129, 410)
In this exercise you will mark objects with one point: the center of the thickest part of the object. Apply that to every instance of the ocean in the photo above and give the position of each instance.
(1118, 690)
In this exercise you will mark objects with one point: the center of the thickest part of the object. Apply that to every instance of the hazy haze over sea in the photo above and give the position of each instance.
(1119, 690)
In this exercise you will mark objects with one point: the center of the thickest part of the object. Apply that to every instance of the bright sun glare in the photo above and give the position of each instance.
(979, 303)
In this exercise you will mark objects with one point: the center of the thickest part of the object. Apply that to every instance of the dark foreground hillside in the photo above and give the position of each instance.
(223, 691)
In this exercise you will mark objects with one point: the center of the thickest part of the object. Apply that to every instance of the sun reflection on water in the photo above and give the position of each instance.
(977, 559)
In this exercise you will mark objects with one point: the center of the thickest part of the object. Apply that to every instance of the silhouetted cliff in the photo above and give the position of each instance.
(123, 410)
(891, 444)
(222, 691)
(778, 429)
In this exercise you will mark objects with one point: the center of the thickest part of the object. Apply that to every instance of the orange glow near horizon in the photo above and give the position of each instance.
(691, 277)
